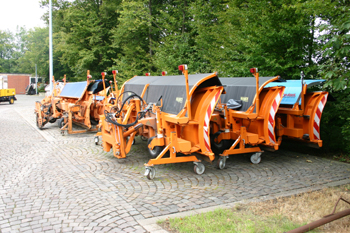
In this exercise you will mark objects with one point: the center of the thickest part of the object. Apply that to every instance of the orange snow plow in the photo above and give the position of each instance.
(173, 112)
(245, 118)
(81, 103)
(299, 115)
(46, 110)
(110, 101)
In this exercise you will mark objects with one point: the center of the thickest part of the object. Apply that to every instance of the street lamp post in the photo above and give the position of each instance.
(50, 45)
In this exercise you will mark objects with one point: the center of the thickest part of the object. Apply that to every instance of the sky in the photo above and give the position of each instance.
(22, 13)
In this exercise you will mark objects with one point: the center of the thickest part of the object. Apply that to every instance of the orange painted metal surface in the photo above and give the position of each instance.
(186, 133)
(84, 111)
(46, 110)
(205, 125)
(83, 108)
(302, 121)
(238, 132)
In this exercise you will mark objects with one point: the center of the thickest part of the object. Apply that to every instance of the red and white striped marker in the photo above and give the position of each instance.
(208, 113)
(273, 110)
(317, 118)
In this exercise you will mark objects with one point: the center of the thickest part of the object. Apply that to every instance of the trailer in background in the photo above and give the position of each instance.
(6, 95)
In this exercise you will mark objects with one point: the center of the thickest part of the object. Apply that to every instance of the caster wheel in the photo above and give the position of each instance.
(255, 158)
(96, 140)
(199, 168)
(150, 173)
(221, 163)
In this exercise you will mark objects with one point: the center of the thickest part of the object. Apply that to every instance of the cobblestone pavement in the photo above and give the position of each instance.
(55, 183)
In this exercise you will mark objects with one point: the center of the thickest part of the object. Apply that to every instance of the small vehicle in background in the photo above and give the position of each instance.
(8, 95)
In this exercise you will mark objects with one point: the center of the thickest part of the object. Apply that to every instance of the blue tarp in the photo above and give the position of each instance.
(73, 90)
(293, 89)
(98, 97)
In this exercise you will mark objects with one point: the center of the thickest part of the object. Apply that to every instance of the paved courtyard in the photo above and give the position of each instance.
(55, 183)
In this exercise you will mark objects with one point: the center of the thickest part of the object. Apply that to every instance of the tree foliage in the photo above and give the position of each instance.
(12, 47)
(336, 50)
(279, 37)
(132, 38)
(82, 32)
(6, 50)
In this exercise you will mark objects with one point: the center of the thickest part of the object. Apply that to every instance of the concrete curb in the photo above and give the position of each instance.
(33, 124)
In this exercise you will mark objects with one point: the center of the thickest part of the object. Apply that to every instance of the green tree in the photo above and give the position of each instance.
(82, 35)
(176, 39)
(20, 46)
(36, 52)
(270, 35)
(7, 48)
(334, 67)
(133, 37)
(336, 50)
(207, 23)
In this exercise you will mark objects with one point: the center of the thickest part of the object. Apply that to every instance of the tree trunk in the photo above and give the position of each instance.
(311, 45)
(184, 16)
(150, 29)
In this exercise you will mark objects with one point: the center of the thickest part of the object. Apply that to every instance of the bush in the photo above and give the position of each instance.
(335, 123)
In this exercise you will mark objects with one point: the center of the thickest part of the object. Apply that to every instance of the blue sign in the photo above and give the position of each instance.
(293, 89)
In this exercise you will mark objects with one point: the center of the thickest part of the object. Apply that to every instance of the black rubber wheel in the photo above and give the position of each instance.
(60, 122)
(11, 101)
(93, 122)
(53, 120)
(156, 150)
(219, 147)
(38, 124)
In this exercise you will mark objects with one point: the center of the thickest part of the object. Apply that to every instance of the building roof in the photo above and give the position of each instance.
(15, 74)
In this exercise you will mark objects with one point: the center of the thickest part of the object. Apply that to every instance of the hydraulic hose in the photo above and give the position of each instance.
(139, 115)
(129, 97)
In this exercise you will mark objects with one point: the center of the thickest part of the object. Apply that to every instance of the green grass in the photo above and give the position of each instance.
(277, 215)
(229, 220)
